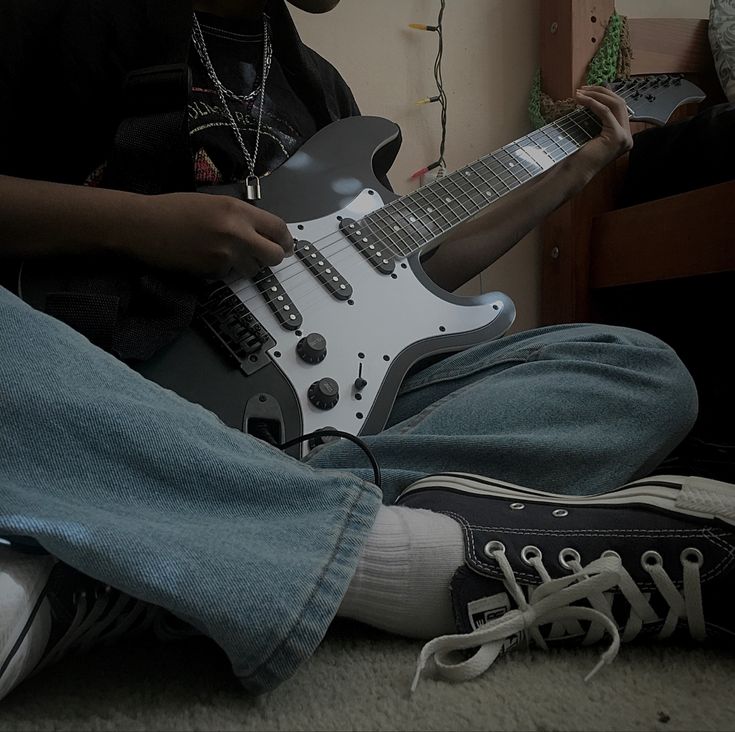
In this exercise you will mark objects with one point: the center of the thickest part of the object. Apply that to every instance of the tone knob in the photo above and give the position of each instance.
(324, 394)
(312, 348)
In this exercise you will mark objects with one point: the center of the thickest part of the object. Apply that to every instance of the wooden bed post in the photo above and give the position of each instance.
(571, 32)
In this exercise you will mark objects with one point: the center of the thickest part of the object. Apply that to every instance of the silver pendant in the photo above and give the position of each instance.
(252, 188)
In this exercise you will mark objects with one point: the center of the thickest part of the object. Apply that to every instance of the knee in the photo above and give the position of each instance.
(657, 370)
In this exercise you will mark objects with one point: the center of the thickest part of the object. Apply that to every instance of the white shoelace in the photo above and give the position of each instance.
(552, 601)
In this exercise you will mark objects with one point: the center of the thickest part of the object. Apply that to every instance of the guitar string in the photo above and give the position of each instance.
(339, 238)
(280, 280)
(291, 292)
(333, 259)
(565, 124)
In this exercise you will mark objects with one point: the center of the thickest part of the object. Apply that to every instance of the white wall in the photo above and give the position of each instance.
(491, 53)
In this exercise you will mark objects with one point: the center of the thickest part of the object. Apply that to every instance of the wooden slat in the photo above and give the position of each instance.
(669, 46)
(680, 236)
(570, 33)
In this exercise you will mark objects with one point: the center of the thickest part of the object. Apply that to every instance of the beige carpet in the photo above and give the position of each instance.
(359, 680)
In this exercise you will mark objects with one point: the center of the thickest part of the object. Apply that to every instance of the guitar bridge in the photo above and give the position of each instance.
(240, 335)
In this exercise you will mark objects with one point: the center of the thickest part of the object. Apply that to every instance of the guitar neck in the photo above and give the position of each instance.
(424, 217)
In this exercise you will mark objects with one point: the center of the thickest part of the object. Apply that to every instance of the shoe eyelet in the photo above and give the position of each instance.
(530, 552)
(517, 506)
(560, 512)
(611, 553)
(651, 559)
(494, 546)
(693, 555)
(567, 555)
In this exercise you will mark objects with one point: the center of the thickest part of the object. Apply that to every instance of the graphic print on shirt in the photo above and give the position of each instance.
(237, 56)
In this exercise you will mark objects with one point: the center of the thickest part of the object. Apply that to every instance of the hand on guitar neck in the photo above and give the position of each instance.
(193, 233)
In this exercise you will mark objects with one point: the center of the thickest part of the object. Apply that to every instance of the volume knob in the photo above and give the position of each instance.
(312, 348)
(324, 394)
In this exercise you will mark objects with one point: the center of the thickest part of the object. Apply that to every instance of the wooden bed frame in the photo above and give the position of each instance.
(590, 244)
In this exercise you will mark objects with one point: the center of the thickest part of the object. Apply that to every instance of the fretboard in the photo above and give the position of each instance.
(426, 215)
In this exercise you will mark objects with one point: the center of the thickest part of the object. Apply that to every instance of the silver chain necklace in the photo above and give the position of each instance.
(252, 181)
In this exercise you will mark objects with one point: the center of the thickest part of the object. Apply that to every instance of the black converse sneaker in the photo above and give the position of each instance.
(48, 609)
(654, 557)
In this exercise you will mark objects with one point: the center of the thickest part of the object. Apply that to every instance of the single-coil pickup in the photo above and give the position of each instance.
(233, 326)
(369, 245)
(320, 267)
(278, 301)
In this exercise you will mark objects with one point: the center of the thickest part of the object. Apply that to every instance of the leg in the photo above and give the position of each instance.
(153, 495)
(568, 409)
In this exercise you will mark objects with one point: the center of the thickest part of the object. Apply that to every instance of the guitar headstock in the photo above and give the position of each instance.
(654, 98)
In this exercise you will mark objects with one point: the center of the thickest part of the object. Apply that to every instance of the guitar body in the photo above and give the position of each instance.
(325, 338)
(390, 322)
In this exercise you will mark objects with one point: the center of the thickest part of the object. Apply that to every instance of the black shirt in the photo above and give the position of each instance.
(63, 64)
(236, 51)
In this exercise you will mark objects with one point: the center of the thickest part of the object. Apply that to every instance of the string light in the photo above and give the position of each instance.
(441, 97)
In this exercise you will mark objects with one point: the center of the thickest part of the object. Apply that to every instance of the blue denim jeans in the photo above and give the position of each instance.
(147, 492)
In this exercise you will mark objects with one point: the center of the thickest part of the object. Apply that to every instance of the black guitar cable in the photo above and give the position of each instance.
(337, 433)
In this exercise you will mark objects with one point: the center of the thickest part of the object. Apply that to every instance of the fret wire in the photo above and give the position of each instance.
(469, 179)
(498, 173)
(435, 208)
(486, 182)
(574, 121)
(555, 141)
(393, 205)
(496, 178)
(512, 164)
(416, 219)
(484, 197)
(523, 160)
(442, 200)
(388, 234)
(441, 181)
(566, 141)
(393, 230)
(540, 140)
(506, 175)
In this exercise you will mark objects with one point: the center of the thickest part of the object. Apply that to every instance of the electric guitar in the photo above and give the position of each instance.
(325, 338)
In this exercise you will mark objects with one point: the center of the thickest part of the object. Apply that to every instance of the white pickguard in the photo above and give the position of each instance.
(363, 339)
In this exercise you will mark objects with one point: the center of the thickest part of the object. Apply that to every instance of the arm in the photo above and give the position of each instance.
(479, 243)
(187, 232)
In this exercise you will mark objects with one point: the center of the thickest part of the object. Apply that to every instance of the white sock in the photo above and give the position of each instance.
(402, 580)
